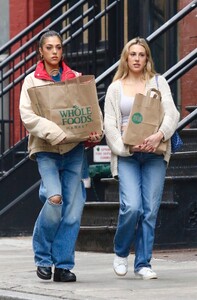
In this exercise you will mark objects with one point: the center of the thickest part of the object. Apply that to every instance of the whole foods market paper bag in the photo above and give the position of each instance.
(72, 104)
(145, 118)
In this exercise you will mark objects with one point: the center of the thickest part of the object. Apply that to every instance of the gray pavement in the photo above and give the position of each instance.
(177, 276)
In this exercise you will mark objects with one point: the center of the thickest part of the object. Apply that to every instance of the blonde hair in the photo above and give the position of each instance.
(123, 69)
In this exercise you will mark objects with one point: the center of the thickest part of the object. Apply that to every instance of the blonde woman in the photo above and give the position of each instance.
(141, 172)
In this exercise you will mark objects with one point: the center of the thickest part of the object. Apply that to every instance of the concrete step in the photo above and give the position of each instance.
(176, 224)
(188, 136)
(183, 163)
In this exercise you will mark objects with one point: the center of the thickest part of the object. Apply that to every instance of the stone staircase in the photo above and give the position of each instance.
(177, 219)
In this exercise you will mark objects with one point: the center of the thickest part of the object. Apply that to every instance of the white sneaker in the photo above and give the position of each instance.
(120, 265)
(146, 273)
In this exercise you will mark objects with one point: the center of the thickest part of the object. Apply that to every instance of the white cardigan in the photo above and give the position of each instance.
(113, 119)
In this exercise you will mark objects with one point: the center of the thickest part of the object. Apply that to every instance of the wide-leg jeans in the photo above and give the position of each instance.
(57, 226)
(141, 182)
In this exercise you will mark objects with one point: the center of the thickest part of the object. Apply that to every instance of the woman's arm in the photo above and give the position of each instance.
(112, 124)
(171, 114)
(36, 125)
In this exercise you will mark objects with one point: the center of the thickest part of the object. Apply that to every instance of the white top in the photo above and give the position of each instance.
(126, 104)
(113, 119)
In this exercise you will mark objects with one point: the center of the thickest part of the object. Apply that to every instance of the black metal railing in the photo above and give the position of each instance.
(180, 15)
(181, 66)
(22, 60)
(26, 64)
(187, 120)
(6, 48)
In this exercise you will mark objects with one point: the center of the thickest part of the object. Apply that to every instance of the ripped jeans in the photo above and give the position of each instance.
(57, 226)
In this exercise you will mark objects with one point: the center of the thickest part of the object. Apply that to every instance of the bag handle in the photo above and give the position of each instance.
(157, 81)
(157, 94)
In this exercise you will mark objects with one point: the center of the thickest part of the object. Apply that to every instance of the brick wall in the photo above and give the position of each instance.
(22, 13)
(188, 42)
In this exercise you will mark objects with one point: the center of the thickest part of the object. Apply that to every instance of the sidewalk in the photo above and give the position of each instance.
(177, 272)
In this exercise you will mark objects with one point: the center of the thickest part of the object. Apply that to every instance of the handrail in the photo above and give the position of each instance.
(183, 71)
(79, 18)
(189, 60)
(75, 34)
(15, 81)
(19, 36)
(6, 61)
(172, 74)
(187, 120)
(192, 56)
(179, 69)
(24, 47)
(33, 53)
(182, 13)
(19, 198)
(155, 34)
(96, 17)
(150, 38)
(35, 37)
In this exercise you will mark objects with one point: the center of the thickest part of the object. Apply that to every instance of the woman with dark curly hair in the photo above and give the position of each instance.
(60, 165)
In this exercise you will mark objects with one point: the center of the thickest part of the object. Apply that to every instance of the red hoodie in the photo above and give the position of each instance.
(67, 73)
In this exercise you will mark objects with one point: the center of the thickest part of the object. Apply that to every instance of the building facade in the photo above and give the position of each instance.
(140, 18)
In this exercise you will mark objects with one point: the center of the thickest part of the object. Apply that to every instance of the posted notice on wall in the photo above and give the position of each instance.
(101, 153)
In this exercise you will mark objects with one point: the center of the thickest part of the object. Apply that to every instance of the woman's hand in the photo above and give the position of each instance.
(94, 137)
(150, 144)
(62, 141)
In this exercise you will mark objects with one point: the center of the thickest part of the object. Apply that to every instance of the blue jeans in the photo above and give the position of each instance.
(141, 182)
(57, 226)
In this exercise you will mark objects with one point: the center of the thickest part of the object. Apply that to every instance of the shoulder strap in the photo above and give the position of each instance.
(157, 81)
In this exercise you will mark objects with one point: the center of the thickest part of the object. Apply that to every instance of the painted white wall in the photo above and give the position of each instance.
(4, 22)
(4, 38)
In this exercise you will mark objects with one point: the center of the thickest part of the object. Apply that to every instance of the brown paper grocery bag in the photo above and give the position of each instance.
(72, 104)
(145, 118)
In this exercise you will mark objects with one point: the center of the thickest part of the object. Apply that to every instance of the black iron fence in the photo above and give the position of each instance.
(87, 46)
(19, 56)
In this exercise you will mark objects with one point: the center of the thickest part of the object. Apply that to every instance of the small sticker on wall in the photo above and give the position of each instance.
(101, 153)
